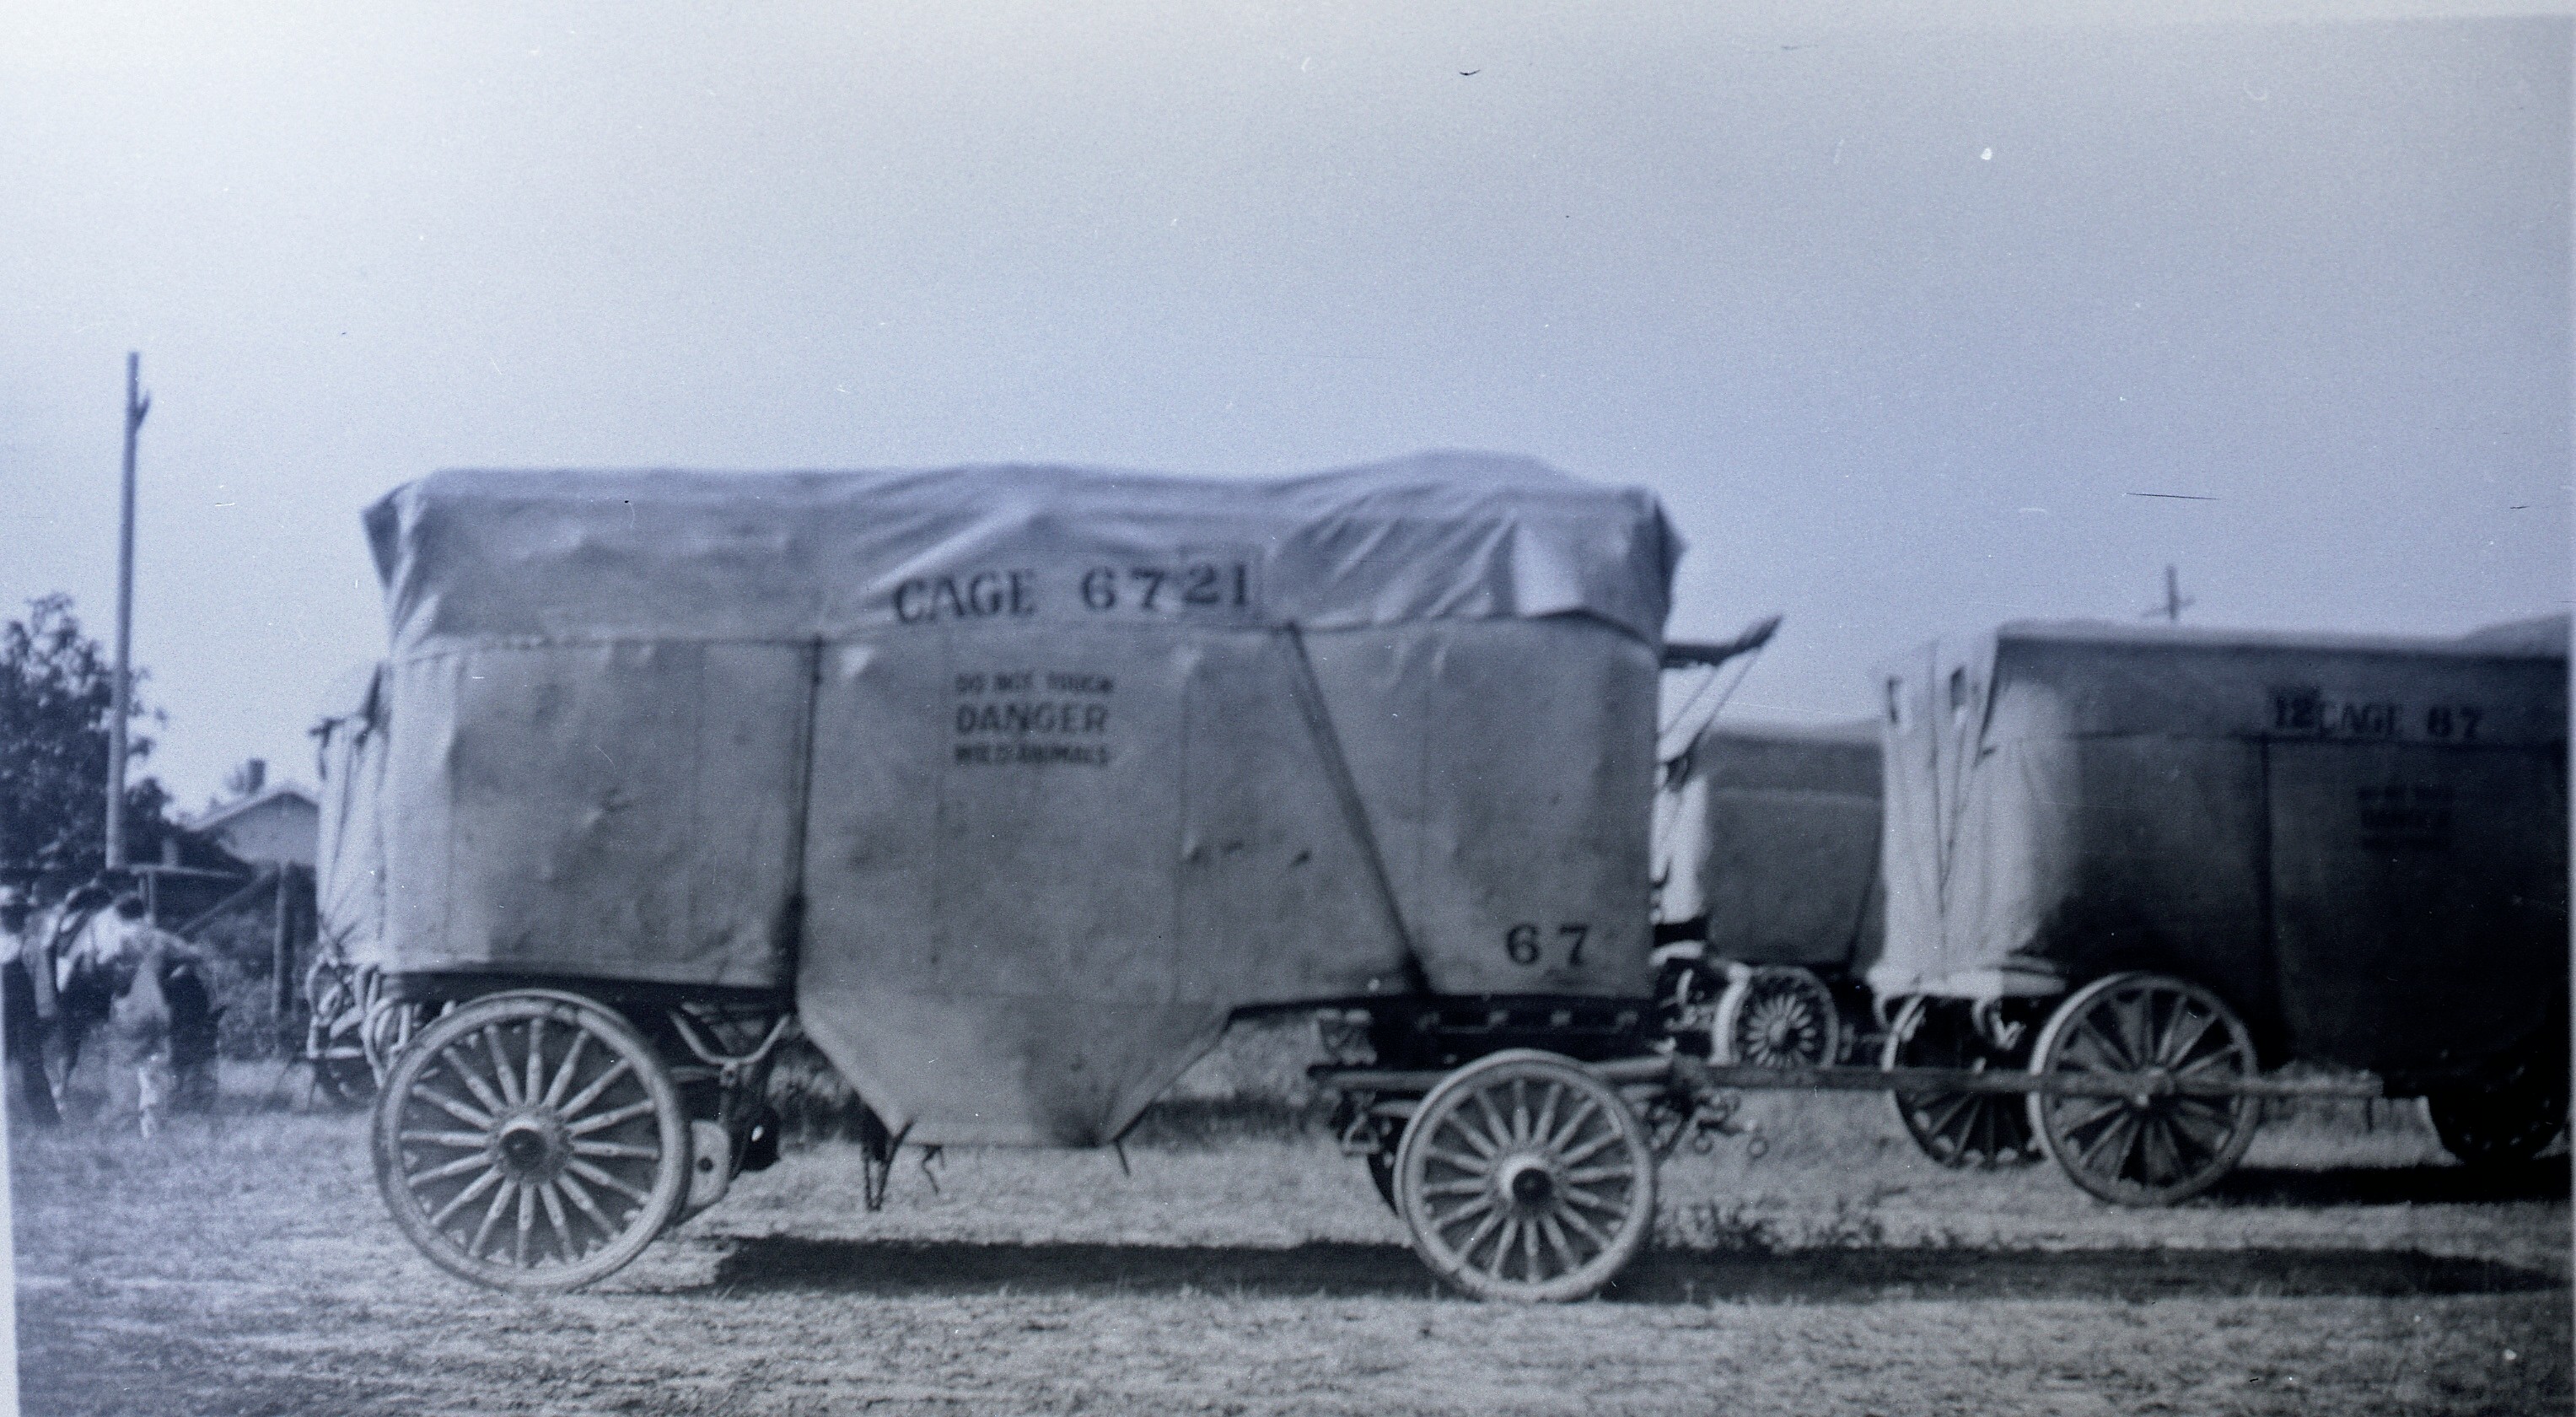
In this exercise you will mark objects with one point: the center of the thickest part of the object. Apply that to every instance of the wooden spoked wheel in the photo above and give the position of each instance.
(2164, 1142)
(1960, 1130)
(1777, 1017)
(333, 1045)
(389, 1028)
(1523, 1176)
(531, 1141)
(2510, 1116)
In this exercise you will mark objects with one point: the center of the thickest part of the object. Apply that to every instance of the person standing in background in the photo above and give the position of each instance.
(23, 1019)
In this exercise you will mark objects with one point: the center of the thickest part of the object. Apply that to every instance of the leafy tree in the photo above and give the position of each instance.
(57, 693)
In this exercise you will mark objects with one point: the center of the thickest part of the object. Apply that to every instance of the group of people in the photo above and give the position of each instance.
(95, 966)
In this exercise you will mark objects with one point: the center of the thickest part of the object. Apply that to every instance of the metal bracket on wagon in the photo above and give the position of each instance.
(731, 1066)
(1679, 653)
(1700, 1117)
(2004, 1034)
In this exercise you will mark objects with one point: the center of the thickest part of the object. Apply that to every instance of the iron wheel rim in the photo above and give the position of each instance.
(531, 1142)
(2154, 1148)
(1524, 1177)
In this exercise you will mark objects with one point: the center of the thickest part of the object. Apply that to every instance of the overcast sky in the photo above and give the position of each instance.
(1896, 319)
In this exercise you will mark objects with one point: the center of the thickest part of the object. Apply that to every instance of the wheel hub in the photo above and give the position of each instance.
(1528, 1181)
(1779, 1032)
(531, 1147)
(2159, 1083)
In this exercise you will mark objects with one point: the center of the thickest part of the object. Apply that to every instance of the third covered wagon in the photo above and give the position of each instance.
(2181, 854)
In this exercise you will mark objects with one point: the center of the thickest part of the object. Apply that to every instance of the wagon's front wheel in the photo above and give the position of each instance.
(531, 1141)
(1777, 1017)
(1523, 1176)
(2164, 1142)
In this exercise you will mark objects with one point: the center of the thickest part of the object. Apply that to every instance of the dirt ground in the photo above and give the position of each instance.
(241, 1264)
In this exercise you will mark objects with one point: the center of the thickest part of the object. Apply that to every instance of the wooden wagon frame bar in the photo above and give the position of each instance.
(1695, 1076)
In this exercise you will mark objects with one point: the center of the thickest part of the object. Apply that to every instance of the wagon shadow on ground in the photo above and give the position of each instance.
(2547, 1179)
(1344, 1269)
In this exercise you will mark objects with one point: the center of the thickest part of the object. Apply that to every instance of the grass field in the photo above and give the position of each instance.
(240, 1264)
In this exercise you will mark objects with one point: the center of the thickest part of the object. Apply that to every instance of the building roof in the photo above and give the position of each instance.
(213, 819)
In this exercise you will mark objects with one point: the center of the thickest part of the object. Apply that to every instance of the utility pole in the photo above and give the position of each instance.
(2175, 600)
(137, 404)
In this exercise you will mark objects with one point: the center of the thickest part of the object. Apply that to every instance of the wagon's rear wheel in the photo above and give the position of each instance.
(531, 1141)
(2156, 1146)
(1523, 1176)
(1777, 1017)
(2512, 1115)
(1960, 1130)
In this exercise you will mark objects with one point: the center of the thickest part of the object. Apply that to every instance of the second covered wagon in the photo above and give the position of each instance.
(1768, 908)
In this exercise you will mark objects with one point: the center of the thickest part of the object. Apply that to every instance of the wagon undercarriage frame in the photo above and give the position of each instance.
(2142, 1087)
(1520, 1173)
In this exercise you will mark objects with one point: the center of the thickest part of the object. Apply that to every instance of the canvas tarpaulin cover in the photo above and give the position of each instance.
(2360, 841)
(1770, 832)
(1024, 779)
(349, 856)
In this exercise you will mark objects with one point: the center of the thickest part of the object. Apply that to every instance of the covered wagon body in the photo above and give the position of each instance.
(1020, 781)
(2359, 842)
(1768, 841)
(349, 856)
(1768, 907)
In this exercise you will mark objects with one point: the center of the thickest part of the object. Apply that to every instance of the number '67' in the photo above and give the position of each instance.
(1522, 944)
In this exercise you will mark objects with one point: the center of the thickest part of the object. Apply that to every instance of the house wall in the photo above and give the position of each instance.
(282, 829)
